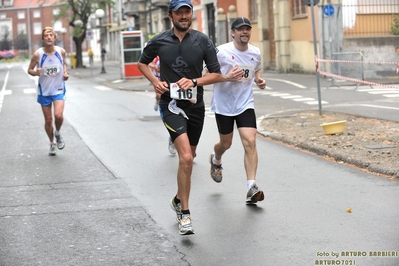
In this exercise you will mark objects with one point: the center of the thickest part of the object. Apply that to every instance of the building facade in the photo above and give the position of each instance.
(27, 17)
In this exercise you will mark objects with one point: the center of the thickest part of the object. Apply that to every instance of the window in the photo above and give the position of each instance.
(36, 13)
(21, 14)
(37, 28)
(21, 28)
(56, 11)
(299, 10)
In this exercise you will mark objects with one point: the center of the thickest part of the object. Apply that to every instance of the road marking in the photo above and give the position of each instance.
(3, 90)
(316, 102)
(378, 106)
(391, 95)
(303, 99)
(30, 91)
(291, 96)
(102, 88)
(279, 94)
(383, 91)
(288, 82)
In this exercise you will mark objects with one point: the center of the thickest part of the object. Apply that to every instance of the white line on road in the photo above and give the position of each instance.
(288, 82)
(316, 102)
(291, 96)
(379, 106)
(303, 99)
(3, 90)
(391, 95)
(102, 88)
(383, 91)
(29, 91)
(279, 94)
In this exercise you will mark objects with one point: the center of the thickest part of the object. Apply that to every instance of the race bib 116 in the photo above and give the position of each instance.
(179, 94)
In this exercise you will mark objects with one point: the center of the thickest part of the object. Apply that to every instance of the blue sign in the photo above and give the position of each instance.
(328, 10)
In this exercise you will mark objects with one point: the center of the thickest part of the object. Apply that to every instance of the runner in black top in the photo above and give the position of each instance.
(182, 52)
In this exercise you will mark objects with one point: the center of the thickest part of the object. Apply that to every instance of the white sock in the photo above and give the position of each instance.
(57, 133)
(218, 162)
(249, 183)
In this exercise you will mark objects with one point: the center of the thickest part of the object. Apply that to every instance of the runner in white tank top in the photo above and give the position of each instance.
(49, 64)
(51, 79)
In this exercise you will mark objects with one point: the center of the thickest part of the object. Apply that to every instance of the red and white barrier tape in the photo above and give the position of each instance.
(356, 80)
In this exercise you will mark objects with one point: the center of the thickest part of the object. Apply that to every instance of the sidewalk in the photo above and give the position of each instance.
(112, 78)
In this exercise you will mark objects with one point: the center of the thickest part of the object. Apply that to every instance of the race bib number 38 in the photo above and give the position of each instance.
(248, 72)
(179, 94)
(51, 70)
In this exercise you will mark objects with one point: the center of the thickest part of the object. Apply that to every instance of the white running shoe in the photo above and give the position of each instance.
(185, 225)
(171, 147)
(53, 150)
(60, 142)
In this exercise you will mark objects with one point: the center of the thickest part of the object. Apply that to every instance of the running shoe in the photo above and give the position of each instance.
(171, 147)
(60, 142)
(176, 208)
(216, 170)
(185, 225)
(254, 194)
(53, 150)
(156, 106)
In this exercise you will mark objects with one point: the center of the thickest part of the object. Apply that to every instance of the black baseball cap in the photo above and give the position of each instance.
(239, 22)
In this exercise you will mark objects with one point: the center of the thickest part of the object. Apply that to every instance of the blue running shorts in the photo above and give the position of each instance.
(47, 100)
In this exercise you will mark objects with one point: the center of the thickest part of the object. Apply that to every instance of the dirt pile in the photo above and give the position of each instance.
(367, 143)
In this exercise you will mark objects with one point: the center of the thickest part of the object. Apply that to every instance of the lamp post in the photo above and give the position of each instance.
(100, 14)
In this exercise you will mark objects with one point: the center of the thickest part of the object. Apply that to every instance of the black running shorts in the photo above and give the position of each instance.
(177, 124)
(226, 123)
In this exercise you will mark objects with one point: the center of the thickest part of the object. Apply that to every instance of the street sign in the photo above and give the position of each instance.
(89, 35)
(328, 10)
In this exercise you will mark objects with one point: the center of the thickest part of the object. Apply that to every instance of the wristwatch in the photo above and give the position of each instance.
(194, 82)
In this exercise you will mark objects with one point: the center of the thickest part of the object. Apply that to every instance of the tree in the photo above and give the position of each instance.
(395, 26)
(5, 43)
(80, 11)
(21, 42)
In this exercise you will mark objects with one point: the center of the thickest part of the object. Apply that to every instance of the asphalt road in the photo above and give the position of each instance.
(104, 199)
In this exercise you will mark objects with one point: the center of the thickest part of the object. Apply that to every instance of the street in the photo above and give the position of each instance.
(104, 199)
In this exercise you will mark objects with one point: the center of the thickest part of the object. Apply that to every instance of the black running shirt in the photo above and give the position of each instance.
(182, 59)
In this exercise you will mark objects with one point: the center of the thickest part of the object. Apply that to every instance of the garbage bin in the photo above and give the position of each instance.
(73, 60)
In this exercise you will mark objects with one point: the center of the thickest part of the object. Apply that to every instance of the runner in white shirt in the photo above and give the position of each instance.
(232, 101)
(49, 64)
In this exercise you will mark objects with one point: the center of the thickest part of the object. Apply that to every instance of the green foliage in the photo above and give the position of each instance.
(80, 10)
(21, 42)
(395, 26)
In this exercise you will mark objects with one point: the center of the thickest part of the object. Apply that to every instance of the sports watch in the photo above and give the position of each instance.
(194, 82)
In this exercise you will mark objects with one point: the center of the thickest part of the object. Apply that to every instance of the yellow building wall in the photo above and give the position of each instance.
(302, 45)
(301, 56)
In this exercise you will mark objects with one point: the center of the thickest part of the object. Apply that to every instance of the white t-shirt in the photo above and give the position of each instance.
(232, 98)
(51, 80)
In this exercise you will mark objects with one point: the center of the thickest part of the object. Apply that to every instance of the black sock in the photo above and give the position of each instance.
(185, 211)
(176, 200)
